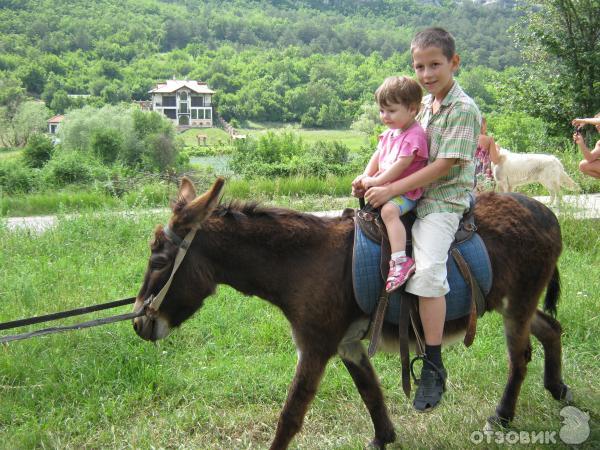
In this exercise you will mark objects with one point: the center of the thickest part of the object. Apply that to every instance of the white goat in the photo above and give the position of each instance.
(517, 169)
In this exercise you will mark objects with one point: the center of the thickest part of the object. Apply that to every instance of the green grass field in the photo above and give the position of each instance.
(220, 380)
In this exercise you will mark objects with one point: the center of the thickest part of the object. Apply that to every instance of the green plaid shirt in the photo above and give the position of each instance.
(452, 132)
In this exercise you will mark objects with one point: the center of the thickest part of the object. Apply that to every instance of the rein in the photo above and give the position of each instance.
(70, 313)
(150, 307)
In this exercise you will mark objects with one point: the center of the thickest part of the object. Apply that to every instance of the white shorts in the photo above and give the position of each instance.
(431, 239)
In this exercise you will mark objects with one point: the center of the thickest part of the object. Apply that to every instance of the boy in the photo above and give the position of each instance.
(452, 123)
(402, 150)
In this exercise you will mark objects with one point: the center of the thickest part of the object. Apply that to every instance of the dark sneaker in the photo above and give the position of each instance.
(431, 387)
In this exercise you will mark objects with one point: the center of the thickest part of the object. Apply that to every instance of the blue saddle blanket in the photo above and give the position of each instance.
(366, 277)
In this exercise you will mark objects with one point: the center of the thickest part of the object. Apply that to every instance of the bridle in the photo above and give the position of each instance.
(152, 304)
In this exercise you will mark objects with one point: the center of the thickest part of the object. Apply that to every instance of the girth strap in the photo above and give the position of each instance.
(477, 298)
(378, 318)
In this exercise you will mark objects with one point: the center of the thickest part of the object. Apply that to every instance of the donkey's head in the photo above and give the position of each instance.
(192, 281)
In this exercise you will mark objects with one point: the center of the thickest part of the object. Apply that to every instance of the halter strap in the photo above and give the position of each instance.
(184, 245)
(171, 235)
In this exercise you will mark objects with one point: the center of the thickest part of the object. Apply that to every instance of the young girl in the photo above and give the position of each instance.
(402, 150)
(485, 154)
(590, 165)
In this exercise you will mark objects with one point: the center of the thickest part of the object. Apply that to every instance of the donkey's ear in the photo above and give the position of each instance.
(187, 191)
(202, 207)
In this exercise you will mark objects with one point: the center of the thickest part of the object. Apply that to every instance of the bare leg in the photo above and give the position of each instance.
(590, 168)
(433, 314)
(396, 232)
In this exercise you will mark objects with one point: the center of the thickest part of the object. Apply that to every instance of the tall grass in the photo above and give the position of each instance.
(220, 380)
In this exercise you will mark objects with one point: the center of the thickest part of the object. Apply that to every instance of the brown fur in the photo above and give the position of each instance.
(302, 264)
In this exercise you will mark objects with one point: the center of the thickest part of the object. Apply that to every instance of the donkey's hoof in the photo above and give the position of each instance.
(567, 394)
(380, 443)
(496, 423)
(561, 392)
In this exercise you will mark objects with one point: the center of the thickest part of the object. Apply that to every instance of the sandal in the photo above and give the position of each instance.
(400, 271)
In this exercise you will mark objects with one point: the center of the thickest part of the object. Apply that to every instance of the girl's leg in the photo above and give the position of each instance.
(390, 214)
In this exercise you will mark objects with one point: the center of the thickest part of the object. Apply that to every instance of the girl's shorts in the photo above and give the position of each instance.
(403, 203)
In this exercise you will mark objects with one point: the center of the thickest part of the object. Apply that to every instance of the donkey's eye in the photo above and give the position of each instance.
(158, 263)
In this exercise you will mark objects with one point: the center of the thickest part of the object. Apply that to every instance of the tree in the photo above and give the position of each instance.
(560, 37)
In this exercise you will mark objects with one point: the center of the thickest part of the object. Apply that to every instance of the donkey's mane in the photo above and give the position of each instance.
(275, 227)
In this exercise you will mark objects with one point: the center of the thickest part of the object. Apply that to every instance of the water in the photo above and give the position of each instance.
(220, 163)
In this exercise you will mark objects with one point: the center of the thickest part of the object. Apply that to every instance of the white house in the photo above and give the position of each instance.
(185, 102)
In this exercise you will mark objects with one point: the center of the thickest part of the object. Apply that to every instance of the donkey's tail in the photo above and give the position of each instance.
(552, 293)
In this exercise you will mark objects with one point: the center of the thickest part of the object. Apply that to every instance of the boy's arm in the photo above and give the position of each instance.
(377, 196)
(392, 173)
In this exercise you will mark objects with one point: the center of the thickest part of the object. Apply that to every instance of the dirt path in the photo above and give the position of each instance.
(580, 206)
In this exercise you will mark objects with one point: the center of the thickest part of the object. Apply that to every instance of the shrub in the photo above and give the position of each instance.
(16, 178)
(71, 168)
(38, 150)
(107, 144)
(160, 153)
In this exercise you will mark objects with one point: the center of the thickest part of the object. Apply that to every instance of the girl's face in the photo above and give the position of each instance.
(434, 70)
(397, 115)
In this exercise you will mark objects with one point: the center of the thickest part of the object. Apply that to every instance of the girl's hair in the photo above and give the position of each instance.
(434, 37)
(402, 90)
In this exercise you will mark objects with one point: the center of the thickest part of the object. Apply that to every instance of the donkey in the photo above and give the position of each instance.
(302, 264)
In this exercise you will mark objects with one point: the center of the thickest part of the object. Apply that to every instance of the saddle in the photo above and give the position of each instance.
(368, 224)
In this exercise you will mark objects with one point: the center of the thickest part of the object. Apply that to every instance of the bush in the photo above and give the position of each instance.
(519, 132)
(71, 168)
(15, 178)
(160, 153)
(280, 155)
(107, 144)
(38, 150)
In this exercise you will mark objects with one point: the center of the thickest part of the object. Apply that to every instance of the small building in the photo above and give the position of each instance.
(185, 102)
(54, 122)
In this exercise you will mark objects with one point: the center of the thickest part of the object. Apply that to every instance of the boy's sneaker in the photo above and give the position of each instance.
(400, 271)
(431, 387)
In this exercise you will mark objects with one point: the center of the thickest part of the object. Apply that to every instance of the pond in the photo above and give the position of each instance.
(220, 163)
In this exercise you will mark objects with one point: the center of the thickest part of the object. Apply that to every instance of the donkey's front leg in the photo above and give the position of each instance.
(309, 371)
(356, 361)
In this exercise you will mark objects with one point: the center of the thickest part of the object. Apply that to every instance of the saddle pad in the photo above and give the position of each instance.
(368, 284)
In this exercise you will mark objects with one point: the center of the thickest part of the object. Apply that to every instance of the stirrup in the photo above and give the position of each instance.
(439, 371)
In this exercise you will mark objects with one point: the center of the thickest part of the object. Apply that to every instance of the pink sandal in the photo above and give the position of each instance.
(400, 271)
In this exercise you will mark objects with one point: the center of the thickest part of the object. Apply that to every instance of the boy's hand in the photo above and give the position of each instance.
(377, 196)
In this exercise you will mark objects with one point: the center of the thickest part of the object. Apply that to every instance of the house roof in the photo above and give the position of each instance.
(56, 119)
(174, 85)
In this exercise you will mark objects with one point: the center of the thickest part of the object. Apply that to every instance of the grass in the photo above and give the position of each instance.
(353, 139)
(221, 379)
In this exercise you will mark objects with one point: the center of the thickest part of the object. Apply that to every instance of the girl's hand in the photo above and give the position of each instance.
(358, 189)
(578, 138)
(368, 182)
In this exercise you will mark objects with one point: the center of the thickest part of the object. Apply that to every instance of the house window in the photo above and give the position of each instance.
(183, 96)
(208, 113)
(197, 101)
(183, 108)
(171, 113)
(169, 100)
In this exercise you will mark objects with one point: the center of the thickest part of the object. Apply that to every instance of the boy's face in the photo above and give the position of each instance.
(397, 115)
(434, 70)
